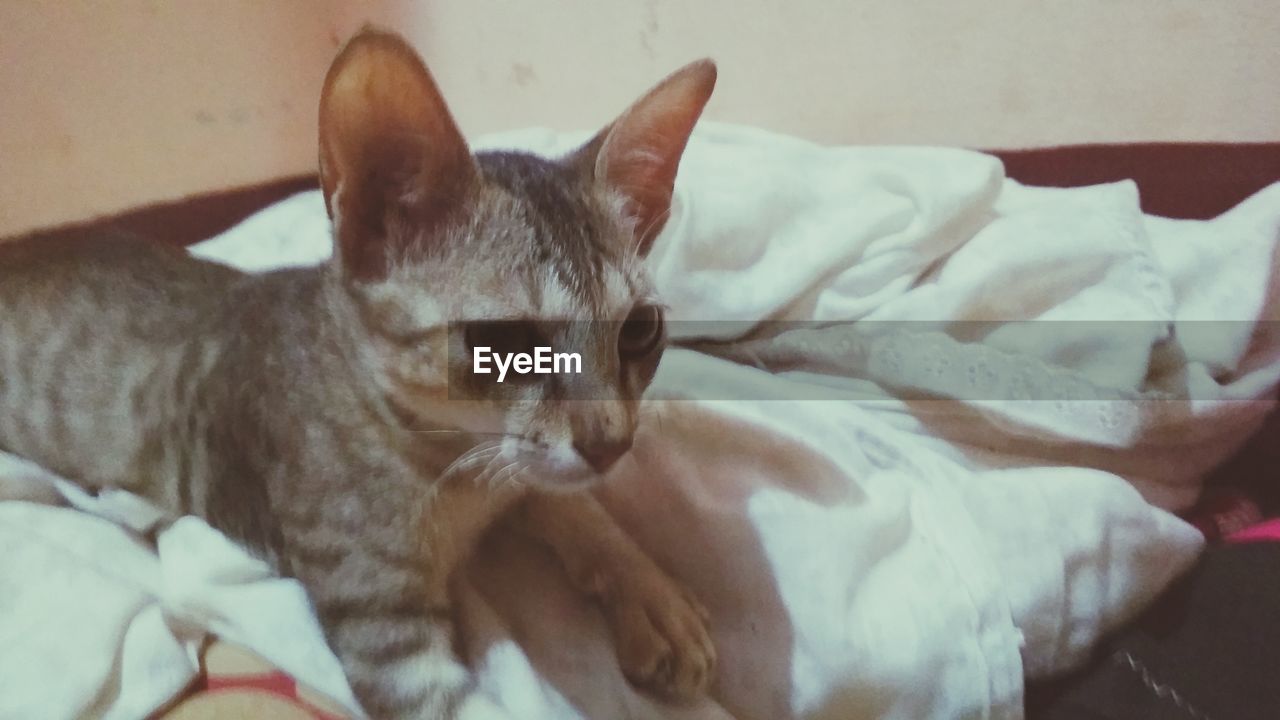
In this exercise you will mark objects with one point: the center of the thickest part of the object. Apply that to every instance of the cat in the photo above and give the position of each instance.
(317, 415)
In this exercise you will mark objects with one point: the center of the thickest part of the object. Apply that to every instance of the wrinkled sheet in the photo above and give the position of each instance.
(897, 517)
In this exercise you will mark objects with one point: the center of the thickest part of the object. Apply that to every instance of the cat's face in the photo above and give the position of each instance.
(543, 258)
(449, 257)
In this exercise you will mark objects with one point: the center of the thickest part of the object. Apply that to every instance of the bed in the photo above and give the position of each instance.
(760, 529)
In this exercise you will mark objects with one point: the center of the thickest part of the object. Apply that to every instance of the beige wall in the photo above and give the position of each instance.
(985, 73)
(106, 105)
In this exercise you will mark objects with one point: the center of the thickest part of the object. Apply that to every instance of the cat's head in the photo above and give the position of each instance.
(443, 252)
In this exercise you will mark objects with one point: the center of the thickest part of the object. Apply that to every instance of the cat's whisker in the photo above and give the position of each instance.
(486, 453)
(439, 432)
(485, 475)
(459, 431)
(513, 471)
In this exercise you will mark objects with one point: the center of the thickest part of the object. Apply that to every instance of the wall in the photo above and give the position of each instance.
(985, 73)
(104, 106)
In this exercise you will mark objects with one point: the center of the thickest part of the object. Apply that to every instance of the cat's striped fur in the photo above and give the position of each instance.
(308, 414)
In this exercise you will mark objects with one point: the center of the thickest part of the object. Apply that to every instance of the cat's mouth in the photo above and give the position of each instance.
(507, 459)
(548, 467)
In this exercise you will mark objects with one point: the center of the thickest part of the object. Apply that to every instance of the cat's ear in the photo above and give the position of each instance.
(390, 152)
(638, 154)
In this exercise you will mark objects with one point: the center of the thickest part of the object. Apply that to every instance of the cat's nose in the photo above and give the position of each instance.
(602, 454)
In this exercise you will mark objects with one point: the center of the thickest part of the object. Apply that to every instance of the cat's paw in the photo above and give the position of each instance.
(660, 631)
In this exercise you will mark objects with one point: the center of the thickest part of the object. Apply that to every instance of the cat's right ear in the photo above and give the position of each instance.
(639, 153)
(391, 155)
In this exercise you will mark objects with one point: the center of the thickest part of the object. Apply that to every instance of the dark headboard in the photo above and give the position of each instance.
(1192, 180)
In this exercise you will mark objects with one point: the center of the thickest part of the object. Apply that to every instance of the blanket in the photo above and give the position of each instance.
(919, 439)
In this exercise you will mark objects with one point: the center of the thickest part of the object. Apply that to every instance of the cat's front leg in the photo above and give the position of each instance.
(659, 628)
(398, 655)
(381, 591)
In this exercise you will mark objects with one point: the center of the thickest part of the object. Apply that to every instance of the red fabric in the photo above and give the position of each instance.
(1262, 532)
(276, 683)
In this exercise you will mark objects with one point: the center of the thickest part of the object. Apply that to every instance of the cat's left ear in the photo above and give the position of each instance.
(390, 152)
(638, 154)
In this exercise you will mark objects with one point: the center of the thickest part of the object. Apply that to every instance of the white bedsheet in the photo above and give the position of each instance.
(864, 553)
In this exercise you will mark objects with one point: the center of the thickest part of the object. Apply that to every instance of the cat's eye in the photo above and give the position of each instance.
(502, 337)
(641, 332)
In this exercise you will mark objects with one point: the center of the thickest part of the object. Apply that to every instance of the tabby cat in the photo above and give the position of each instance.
(310, 413)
